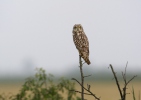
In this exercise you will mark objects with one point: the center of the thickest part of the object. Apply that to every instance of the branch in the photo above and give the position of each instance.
(86, 89)
(124, 74)
(80, 92)
(116, 80)
(82, 78)
(126, 83)
(131, 79)
(87, 76)
(122, 94)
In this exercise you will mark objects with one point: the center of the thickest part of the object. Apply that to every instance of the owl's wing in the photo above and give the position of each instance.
(84, 40)
(85, 43)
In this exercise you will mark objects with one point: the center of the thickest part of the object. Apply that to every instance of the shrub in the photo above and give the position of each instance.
(42, 87)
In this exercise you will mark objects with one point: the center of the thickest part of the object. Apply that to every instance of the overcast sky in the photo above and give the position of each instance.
(38, 33)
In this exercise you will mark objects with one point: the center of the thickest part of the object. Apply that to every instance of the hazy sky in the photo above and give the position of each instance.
(38, 33)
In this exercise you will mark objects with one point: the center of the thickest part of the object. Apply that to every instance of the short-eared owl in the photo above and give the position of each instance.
(81, 42)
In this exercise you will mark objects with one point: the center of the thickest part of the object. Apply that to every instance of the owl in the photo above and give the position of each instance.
(81, 42)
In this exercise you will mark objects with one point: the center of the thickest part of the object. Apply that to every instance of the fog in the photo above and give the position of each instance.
(39, 34)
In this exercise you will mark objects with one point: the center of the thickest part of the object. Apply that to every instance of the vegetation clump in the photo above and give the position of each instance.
(42, 87)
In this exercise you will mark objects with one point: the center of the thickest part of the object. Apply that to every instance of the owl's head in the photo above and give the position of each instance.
(77, 28)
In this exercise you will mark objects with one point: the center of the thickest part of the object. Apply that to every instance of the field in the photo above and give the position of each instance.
(105, 90)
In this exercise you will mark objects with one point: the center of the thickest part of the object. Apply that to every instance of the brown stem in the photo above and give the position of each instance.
(116, 81)
(82, 78)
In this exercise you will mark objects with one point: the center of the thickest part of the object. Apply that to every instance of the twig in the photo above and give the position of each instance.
(80, 92)
(131, 79)
(124, 74)
(83, 63)
(87, 76)
(124, 78)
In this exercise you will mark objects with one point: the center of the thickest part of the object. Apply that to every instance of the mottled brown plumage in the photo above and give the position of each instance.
(81, 42)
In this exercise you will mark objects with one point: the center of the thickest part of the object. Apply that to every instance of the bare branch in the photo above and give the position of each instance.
(83, 63)
(116, 80)
(126, 83)
(80, 92)
(87, 76)
(131, 79)
(82, 78)
(86, 89)
(124, 75)
(122, 94)
(88, 86)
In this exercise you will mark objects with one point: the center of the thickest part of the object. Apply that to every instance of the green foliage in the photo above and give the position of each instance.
(42, 87)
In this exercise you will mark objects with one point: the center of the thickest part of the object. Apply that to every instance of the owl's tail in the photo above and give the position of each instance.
(87, 60)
